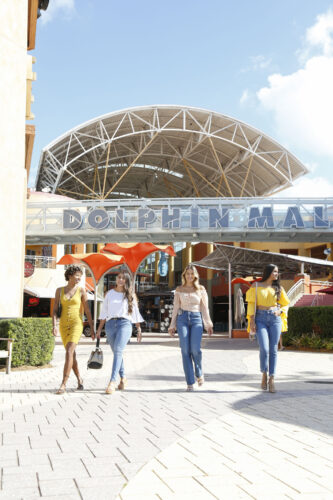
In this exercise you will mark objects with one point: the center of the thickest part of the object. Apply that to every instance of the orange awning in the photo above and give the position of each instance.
(135, 253)
(98, 263)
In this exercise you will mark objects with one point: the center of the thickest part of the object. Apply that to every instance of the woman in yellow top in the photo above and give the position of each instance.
(267, 316)
(72, 298)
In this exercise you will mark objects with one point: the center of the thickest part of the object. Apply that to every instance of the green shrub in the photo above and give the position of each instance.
(309, 320)
(310, 327)
(33, 340)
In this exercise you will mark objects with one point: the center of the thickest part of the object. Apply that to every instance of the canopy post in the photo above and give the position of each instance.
(230, 301)
(95, 301)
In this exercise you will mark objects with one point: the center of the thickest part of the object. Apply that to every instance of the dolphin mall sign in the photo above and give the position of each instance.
(181, 219)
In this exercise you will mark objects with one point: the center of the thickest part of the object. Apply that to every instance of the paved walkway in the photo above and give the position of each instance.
(226, 440)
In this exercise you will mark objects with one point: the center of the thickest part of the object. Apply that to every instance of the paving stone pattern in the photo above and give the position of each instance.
(226, 440)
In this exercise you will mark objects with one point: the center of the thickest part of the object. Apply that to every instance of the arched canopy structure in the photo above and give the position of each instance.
(165, 152)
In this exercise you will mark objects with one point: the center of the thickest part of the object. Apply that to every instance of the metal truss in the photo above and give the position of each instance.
(163, 152)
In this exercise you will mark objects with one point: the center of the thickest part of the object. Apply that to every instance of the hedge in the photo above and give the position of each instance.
(317, 319)
(310, 327)
(33, 340)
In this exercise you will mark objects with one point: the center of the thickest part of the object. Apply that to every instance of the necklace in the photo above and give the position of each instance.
(69, 297)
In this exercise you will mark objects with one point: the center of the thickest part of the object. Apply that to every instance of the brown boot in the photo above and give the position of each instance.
(264, 381)
(122, 384)
(271, 386)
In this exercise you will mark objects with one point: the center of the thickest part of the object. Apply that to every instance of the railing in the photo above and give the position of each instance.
(152, 286)
(300, 288)
(41, 261)
(296, 291)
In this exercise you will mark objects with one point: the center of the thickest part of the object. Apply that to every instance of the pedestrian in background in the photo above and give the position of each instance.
(119, 311)
(190, 316)
(267, 312)
(70, 301)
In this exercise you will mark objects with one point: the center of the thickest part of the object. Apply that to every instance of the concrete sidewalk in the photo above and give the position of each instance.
(226, 440)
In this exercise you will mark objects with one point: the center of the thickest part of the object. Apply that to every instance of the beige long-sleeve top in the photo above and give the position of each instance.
(191, 301)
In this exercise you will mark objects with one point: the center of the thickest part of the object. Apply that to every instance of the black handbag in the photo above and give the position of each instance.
(59, 310)
(95, 360)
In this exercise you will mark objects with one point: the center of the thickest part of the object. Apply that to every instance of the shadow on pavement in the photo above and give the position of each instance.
(209, 377)
(300, 403)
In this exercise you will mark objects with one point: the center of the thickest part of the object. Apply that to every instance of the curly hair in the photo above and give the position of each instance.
(71, 270)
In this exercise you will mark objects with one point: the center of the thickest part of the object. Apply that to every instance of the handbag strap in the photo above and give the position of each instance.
(97, 343)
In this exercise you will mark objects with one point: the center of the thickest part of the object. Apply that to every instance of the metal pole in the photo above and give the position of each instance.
(230, 301)
(95, 301)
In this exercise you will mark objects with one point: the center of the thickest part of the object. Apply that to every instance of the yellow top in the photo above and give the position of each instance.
(266, 297)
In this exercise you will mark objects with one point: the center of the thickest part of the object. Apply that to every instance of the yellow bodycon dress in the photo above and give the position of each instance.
(71, 323)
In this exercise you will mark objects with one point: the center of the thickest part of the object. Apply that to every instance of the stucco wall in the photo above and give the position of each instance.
(13, 62)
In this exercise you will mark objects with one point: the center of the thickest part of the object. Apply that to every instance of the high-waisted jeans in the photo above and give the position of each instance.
(268, 328)
(190, 329)
(118, 332)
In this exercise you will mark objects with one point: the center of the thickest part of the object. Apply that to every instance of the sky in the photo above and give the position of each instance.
(267, 63)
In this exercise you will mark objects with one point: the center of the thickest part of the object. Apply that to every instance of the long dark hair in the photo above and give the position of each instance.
(128, 290)
(276, 283)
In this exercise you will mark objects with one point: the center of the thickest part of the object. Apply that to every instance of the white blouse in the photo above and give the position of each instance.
(115, 305)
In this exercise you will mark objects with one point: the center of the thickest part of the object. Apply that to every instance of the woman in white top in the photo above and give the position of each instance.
(191, 315)
(119, 311)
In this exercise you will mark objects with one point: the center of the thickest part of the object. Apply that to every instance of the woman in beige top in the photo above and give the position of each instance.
(191, 315)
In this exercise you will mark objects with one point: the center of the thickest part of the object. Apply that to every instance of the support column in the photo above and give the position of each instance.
(230, 301)
(210, 275)
(89, 248)
(171, 275)
(188, 253)
(330, 257)
(78, 248)
(13, 175)
(157, 274)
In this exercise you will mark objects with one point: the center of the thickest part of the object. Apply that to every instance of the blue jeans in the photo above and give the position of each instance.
(268, 333)
(190, 329)
(118, 332)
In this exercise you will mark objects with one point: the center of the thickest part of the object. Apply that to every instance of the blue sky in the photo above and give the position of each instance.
(267, 63)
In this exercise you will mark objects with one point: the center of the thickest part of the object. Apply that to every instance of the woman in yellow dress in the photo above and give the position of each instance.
(73, 299)
(267, 316)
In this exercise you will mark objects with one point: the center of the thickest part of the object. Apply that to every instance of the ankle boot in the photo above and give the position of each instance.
(264, 381)
(271, 385)
(122, 384)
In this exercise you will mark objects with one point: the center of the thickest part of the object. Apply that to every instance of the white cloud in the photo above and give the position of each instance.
(301, 102)
(302, 105)
(260, 62)
(257, 63)
(312, 166)
(65, 8)
(320, 34)
(307, 187)
(244, 96)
